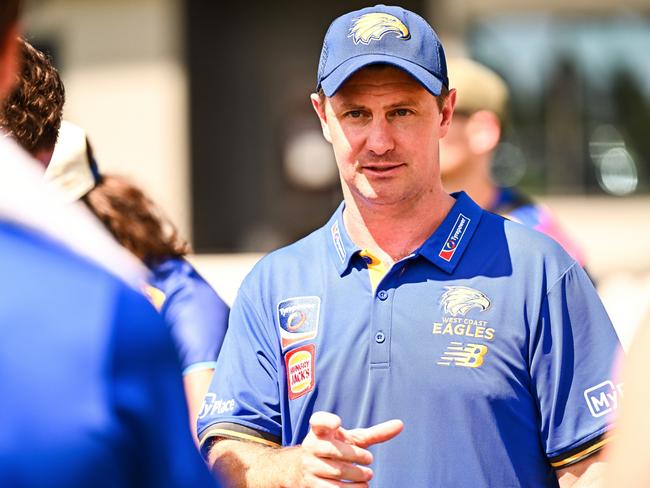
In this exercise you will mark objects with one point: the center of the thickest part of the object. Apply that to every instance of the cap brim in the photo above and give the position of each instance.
(69, 169)
(341, 73)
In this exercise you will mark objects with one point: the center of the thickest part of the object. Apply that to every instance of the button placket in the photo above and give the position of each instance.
(381, 327)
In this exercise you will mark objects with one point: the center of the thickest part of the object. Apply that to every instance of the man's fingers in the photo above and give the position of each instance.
(338, 451)
(324, 424)
(336, 470)
(313, 482)
(375, 434)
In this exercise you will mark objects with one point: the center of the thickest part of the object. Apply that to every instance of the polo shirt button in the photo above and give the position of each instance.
(383, 295)
(380, 337)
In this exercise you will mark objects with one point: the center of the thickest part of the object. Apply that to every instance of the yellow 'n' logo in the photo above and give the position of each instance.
(372, 27)
(469, 356)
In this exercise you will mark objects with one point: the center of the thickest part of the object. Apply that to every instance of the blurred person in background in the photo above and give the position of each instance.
(467, 152)
(196, 316)
(90, 382)
(194, 313)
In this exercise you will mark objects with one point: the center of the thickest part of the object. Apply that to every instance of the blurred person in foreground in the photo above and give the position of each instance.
(467, 152)
(90, 382)
(629, 452)
(415, 339)
(196, 316)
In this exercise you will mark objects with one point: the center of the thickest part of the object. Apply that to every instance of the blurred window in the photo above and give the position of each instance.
(580, 100)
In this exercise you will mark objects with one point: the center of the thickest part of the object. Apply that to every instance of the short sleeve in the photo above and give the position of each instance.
(198, 320)
(243, 401)
(147, 396)
(572, 354)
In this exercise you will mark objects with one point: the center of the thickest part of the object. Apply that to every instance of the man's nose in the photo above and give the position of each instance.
(380, 138)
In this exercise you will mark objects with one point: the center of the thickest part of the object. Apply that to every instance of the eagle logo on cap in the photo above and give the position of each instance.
(374, 26)
(458, 300)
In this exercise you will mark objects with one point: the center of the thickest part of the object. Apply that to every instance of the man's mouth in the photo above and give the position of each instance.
(380, 168)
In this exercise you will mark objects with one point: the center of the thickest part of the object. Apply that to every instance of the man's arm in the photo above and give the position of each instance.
(589, 472)
(329, 456)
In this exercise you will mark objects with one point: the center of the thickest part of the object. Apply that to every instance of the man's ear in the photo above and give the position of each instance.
(320, 111)
(9, 61)
(447, 112)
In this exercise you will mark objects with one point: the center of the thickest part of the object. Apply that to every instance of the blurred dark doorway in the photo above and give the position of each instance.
(252, 66)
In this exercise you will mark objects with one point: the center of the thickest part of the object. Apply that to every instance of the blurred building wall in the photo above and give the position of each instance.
(121, 62)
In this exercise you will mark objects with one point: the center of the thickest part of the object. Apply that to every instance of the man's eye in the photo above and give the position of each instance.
(402, 112)
(355, 114)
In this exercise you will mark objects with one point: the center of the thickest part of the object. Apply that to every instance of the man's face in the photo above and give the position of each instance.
(385, 129)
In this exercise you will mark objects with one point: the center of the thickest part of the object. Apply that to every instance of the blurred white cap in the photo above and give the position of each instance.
(70, 169)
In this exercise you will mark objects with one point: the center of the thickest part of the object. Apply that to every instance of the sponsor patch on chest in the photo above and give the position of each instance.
(298, 319)
(300, 370)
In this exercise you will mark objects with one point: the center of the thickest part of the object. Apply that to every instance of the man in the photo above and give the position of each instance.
(31, 115)
(410, 309)
(90, 383)
(467, 152)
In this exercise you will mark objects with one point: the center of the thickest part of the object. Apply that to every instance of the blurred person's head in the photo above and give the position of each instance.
(126, 211)
(9, 10)
(32, 113)
(481, 106)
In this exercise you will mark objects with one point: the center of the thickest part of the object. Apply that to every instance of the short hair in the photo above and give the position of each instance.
(33, 111)
(9, 10)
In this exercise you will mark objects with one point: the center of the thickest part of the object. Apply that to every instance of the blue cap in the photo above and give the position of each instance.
(381, 35)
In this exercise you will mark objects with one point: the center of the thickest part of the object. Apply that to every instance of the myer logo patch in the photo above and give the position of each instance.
(603, 398)
(298, 319)
(455, 236)
(300, 370)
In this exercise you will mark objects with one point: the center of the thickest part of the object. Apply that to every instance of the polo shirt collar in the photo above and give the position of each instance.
(341, 248)
(446, 246)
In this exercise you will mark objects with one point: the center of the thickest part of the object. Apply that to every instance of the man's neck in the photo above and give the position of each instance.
(391, 232)
(476, 181)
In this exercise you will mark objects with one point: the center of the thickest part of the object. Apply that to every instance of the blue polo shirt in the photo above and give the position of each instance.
(196, 316)
(489, 342)
(90, 385)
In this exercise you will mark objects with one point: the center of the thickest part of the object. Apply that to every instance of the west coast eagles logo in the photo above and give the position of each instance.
(372, 27)
(458, 300)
